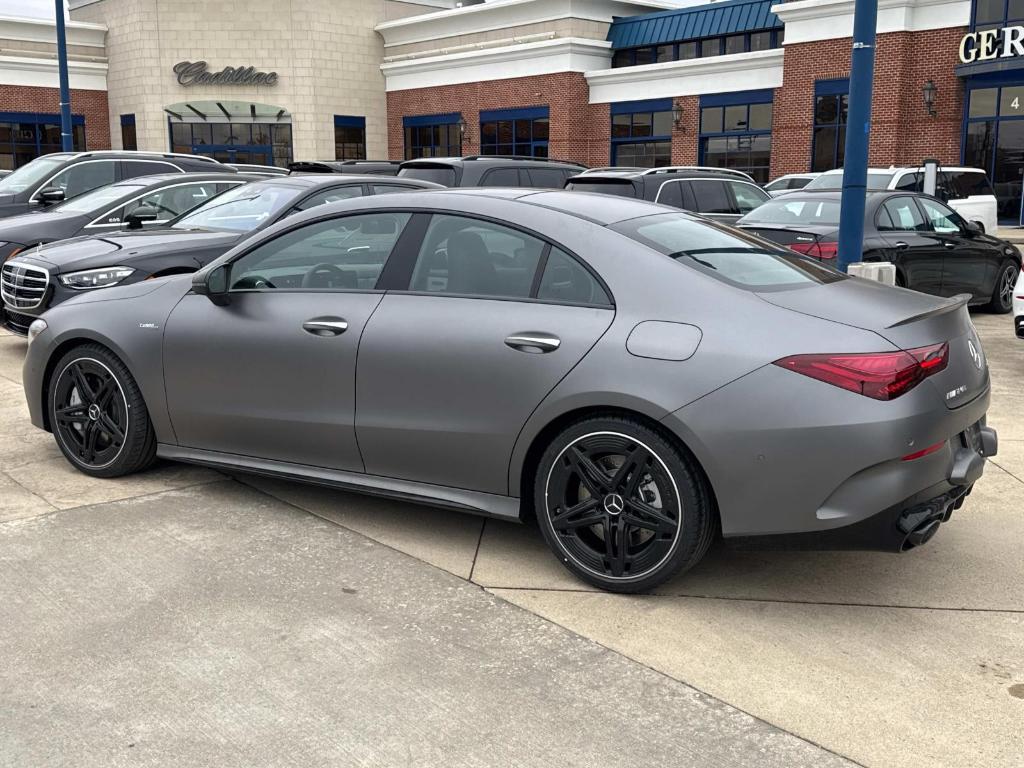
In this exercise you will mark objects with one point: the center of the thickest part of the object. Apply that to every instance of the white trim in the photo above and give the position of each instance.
(811, 20)
(714, 74)
(502, 14)
(45, 31)
(567, 54)
(42, 72)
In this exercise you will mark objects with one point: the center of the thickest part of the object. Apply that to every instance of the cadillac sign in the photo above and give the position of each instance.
(196, 73)
(1002, 43)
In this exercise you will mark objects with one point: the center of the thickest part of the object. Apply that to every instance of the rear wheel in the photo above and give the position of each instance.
(97, 414)
(1002, 293)
(620, 506)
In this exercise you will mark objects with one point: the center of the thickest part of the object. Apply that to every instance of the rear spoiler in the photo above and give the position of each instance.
(953, 305)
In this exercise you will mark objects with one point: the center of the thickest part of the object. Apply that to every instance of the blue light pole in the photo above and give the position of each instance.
(858, 129)
(65, 93)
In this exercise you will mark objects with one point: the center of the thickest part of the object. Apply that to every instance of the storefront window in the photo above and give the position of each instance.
(522, 132)
(759, 40)
(994, 141)
(735, 132)
(432, 136)
(829, 137)
(642, 133)
(128, 138)
(349, 137)
(24, 136)
(233, 142)
(997, 13)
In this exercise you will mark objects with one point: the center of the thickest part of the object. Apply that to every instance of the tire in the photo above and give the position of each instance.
(97, 414)
(1002, 292)
(661, 518)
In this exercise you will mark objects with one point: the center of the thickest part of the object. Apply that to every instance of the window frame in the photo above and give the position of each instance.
(519, 118)
(830, 88)
(349, 122)
(629, 54)
(114, 162)
(913, 203)
(415, 123)
(746, 100)
(97, 224)
(399, 280)
(632, 109)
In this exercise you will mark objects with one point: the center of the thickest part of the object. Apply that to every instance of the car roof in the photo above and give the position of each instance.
(312, 180)
(426, 162)
(663, 175)
(902, 168)
(160, 178)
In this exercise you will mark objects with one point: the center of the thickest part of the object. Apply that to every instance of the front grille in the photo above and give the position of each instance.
(23, 285)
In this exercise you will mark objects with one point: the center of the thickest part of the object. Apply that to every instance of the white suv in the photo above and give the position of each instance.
(966, 190)
(1018, 306)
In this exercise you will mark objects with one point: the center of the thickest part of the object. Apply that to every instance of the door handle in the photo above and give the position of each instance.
(533, 342)
(948, 244)
(325, 326)
(900, 245)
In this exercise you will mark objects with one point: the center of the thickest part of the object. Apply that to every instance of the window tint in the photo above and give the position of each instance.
(439, 174)
(172, 201)
(967, 183)
(132, 168)
(748, 197)
(330, 196)
(712, 197)
(942, 219)
(671, 194)
(476, 258)
(910, 182)
(501, 177)
(787, 211)
(342, 253)
(547, 178)
(83, 177)
(903, 215)
(390, 189)
(725, 254)
(565, 279)
(620, 187)
(93, 202)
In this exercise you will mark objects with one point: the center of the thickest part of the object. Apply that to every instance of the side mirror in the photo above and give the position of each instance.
(140, 215)
(51, 195)
(975, 228)
(213, 284)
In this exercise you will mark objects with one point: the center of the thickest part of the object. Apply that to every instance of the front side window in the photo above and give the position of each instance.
(748, 197)
(98, 198)
(346, 253)
(173, 201)
(83, 177)
(943, 220)
(725, 254)
(469, 257)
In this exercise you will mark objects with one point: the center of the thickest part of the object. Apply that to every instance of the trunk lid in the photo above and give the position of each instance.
(908, 320)
(799, 233)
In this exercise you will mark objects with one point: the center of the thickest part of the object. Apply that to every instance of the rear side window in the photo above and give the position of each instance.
(726, 254)
(501, 177)
(620, 187)
(909, 182)
(84, 177)
(566, 280)
(132, 168)
(903, 216)
(968, 183)
(439, 174)
(786, 211)
(547, 178)
(330, 196)
(798, 183)
(712, 197)
(671, 193)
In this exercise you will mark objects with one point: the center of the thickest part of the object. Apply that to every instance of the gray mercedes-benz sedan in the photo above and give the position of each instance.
(637, 378)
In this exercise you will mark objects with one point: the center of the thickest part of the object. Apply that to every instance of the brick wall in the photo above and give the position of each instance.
(902, 133)
(580, 131)
(92, 105)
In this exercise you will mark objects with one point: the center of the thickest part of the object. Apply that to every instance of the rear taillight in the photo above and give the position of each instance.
(827, 250)
(881, 375)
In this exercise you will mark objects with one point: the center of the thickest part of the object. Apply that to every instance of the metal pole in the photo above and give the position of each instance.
(858, 127)
(62, 65)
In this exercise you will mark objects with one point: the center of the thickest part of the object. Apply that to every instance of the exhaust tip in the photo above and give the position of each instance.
(920, 535)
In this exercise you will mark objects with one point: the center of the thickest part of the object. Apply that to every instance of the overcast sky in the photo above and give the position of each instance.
(36, 9)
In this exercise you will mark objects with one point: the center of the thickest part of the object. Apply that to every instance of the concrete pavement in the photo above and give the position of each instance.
(888, 660)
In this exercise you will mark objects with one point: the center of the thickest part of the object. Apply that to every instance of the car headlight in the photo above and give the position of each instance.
(37, 327)
(95, 278)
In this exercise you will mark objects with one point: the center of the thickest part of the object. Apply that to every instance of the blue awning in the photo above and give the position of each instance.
(723, 18)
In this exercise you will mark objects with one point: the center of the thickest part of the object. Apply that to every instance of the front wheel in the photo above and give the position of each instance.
(1002, 293)
(620, 506)
(97, 414)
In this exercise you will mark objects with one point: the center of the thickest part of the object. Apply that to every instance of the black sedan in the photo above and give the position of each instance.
(932, 247)
(143, 201)
(37, 279)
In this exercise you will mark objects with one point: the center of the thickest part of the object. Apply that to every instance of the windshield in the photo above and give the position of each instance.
(835, 181)
(725, 254)
(787, 211)
(241, 209)
(93, 201)
(32, 173)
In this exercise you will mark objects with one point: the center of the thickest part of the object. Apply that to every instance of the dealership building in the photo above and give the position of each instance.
(757, 85)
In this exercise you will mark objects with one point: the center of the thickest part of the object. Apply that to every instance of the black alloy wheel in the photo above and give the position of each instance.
(97, 414)
(1002, 294)
(620, 506)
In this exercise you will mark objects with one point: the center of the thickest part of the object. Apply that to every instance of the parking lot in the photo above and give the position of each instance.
(189, 617)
